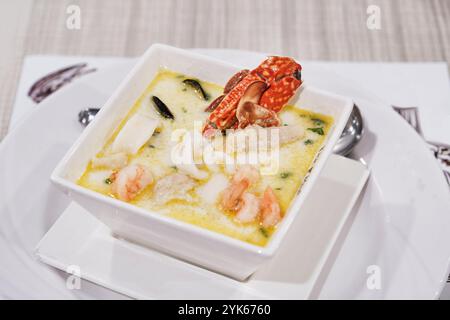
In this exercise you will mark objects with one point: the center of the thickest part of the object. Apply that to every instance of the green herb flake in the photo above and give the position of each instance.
(108, 181)
(308, 141)
(264, 232)
(278, 188)
(318, 122)
(319, 131)
(285, 175)
(184, 110)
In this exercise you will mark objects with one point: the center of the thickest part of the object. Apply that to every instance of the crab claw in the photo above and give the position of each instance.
(283, 75)
(253, 92)
(279, 93)
(248, 111)
(251, 113)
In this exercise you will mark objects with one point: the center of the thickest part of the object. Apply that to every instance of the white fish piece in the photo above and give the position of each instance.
(292, 133)
(210, 190)
(182, 156)
(137, 131)
(212, 158)
(255, 137)
(112, 161)
(173, 186)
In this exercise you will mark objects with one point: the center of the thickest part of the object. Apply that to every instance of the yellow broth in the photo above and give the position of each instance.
(295, 161)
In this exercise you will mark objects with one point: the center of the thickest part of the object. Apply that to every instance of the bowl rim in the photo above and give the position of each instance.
(274, 242)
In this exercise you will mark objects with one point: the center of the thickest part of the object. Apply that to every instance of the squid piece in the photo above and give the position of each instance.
(134, 134)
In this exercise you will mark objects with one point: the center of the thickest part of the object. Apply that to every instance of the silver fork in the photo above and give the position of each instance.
(441, 151)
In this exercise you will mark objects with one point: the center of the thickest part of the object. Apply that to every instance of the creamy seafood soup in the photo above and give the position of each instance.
(140, 163)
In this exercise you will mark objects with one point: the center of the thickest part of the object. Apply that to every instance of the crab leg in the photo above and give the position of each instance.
(222, 117)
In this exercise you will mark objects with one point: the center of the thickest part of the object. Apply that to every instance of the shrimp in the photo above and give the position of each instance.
(270, 209)
(131, 180)
(244, 177)
(248, 208)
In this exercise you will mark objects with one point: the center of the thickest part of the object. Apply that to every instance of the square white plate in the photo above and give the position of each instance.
(78, 241)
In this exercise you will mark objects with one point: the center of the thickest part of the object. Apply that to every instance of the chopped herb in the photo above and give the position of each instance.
(284, 175)
(184, 89)
(278, 188)
(108, 181)
(302, 116)
(264, 232)
(309, 141)
(184, 110)
(151, 146)
(285, 124)
(174, 168)
(319, 131)
(318, 122)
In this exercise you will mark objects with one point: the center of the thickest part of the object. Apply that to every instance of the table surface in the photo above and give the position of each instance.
(411, 30)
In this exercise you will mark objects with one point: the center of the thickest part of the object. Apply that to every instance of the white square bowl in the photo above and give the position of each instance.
(185, 241)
